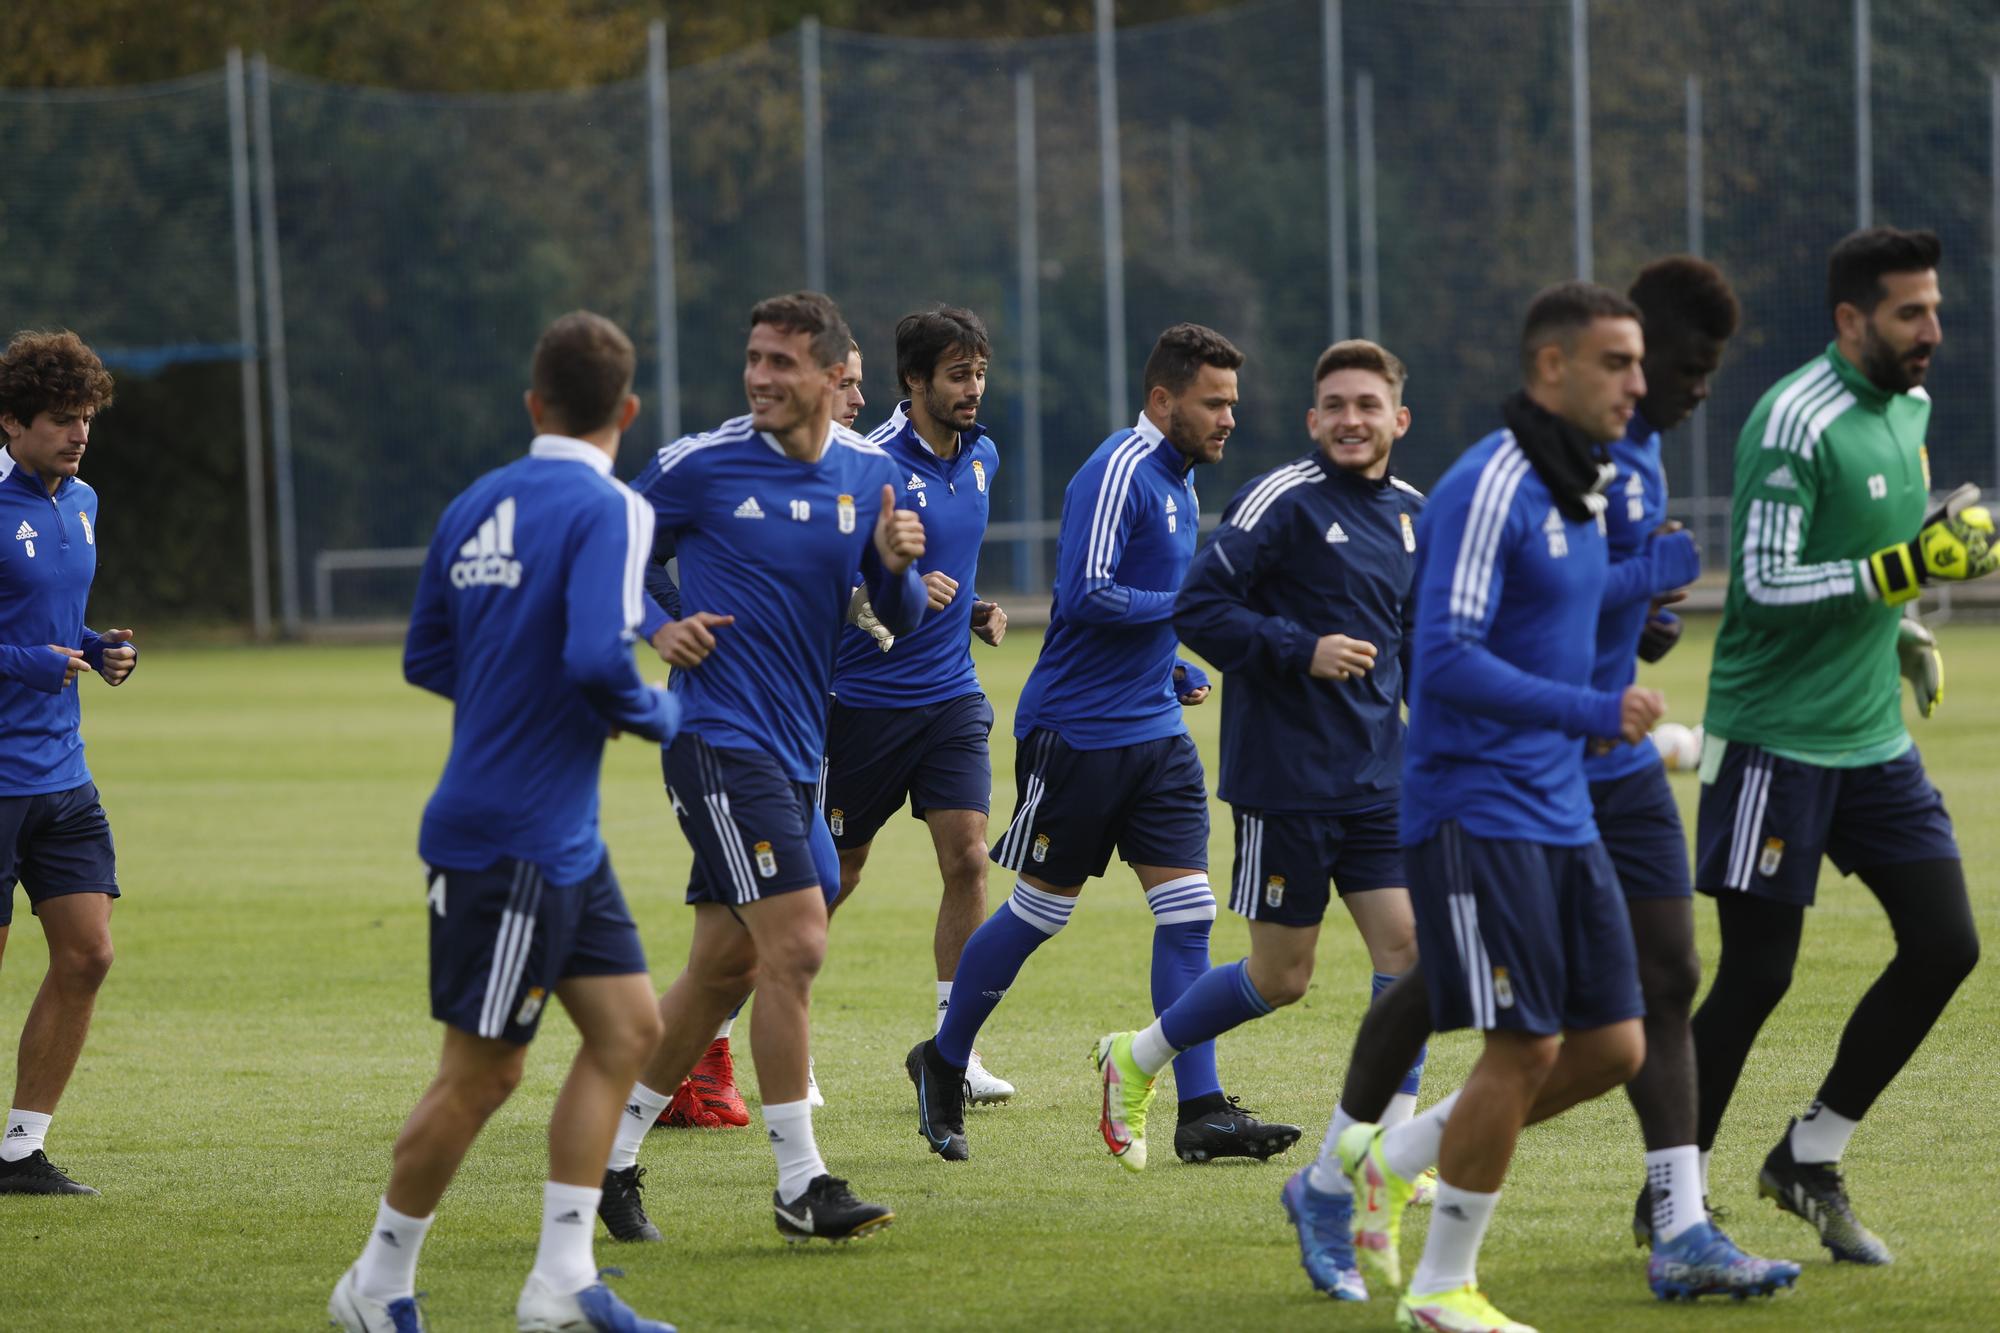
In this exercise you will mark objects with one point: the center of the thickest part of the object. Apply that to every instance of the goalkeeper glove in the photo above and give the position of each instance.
(861, 615)
(1954, 543)
(1921, 663)
(1662, 632)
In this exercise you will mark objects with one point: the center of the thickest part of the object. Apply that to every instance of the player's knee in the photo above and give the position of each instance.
(482, 1090)
(1287, 986)
(1948, 959)
(1670, 983)
(1624, 1053)
(82, 966)
(964, 867)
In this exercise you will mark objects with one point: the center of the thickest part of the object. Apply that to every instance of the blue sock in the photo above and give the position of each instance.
(1413, 1080)
(1222, 999)
(1184, 909)
(991, 961)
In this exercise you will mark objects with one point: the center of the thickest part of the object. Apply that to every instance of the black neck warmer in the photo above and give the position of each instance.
(1574, 468)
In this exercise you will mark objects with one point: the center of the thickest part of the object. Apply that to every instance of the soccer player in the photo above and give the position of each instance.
(910, 723)
(1520, 921)
(1302, 598)
(1104, 760)
(774, 515)
(54, 837)
(1806, 753)
(848, 400)
(526, 611)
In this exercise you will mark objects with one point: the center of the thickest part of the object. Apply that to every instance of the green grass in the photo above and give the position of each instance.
(266, 1029)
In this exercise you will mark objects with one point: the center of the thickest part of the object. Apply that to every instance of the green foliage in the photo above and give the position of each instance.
(264, 1033)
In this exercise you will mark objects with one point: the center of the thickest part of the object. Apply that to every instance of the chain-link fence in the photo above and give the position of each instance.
(1286, 171)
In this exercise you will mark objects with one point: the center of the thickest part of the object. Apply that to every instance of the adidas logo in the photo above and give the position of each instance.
(915, 483)
(633, 1109)
(1781, 478)
(25, 533)
(18, 1132)
(570, 1218)
(485, 560)
(750, 509)
(1554, 522)
(389, 1239)
(1335, 534)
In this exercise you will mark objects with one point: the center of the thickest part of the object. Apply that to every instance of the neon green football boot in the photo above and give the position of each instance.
(1128, 1093)
(1461, 1310)
(1380, 1196)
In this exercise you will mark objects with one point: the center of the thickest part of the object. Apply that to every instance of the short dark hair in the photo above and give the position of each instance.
(1360, 354)
(813, 314)
(1855, 268)
(582, 371)
(1181, 352)
(1682, 294)
(1560, 312)
(50, 372)
(923, 339)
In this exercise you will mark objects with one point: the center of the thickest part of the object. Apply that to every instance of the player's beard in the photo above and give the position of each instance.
(1886, 368)
(943, 407)
(1186, 441)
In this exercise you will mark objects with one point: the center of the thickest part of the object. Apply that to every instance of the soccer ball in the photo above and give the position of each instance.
(1679, 746)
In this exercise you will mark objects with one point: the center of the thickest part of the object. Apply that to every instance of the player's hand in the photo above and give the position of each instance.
(1337, 657)
(76, 666)
(942, 587)
(989, 622)
(120, 659)
(899, 534)
(1662, 632)
(688, 641)
(1956, 542)
(1638, 711)
(1921, 663)
(1190, 684)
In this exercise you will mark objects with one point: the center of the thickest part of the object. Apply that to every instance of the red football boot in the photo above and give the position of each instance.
(714, 1083)
(685, 1111)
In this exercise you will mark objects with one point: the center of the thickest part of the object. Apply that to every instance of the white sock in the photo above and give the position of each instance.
(943, 1003)
(1451, 1251)
(1151, 1050)
(790, 1128)
(26, 1132)
(1706, 1153)
(642, 1108)
(722, 1033)
(1401, 1110)
(1673, 1175)
(564, 1261)
(1820, 1135)
(1327, 1177)
(387, 1270)
(1412, 1148)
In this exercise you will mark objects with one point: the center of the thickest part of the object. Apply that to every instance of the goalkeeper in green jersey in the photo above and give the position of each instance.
(1807, 756)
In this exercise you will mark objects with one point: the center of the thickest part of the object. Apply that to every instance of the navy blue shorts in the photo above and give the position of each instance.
(1285, 858)
(55, 844)
(502, 937)
(756, 833)
(1521, 935)
(1765, 822)
(1148, 802)
(1640, 825)
(935, 756)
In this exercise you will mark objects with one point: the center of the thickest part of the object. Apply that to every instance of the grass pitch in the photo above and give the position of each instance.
(266, 1030)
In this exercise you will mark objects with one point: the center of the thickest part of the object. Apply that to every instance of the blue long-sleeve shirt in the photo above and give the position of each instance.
(1643, 566)
(1129, 526)
(1501, 704)
(527, 607)
(778, 543)
(48, 557)
(952, 495)
(1305, 550)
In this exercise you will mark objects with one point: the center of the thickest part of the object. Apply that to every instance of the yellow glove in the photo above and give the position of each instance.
(1921, 663)
(1956, 542)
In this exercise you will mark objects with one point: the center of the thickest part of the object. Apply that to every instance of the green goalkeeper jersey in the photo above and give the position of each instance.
(1829, 470)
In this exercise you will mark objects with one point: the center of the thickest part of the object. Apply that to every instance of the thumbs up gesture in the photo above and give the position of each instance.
(899, 534)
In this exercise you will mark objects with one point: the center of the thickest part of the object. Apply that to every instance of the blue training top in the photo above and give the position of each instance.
(779, 544)
(933, 662)
(526, 611)
(48, 556)
(1506, 631)
(1129, 525)
(1643, 566)
(1305, 550)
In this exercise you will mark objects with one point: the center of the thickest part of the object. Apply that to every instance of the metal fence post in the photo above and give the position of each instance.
(1698, 427)
(815, 154)
(665, 307)
(274, 346)
(1336, 163)
(1117, 409)
(1993, 184)
(1864, 122)
(1579, 98)
(1364, 173)
(1029, 276)
(246, 333)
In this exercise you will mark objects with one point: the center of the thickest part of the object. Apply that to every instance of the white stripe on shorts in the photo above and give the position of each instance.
(1751, 799)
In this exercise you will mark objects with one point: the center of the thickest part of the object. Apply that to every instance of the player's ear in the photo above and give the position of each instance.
(10, 424)
(1849, 320)
(1312, 421)
(1549, 360)
(530, 400)
(1402, 421)
(628, 412)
